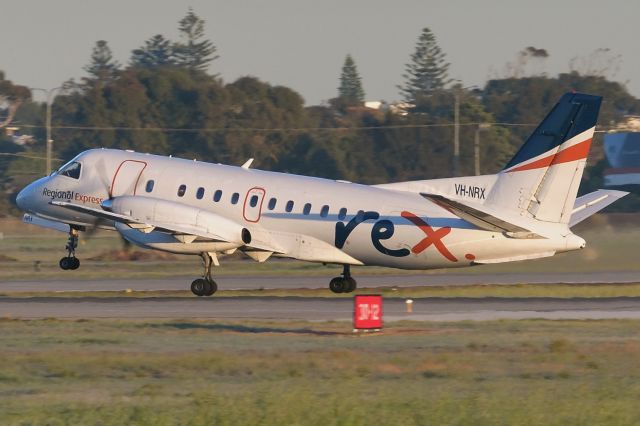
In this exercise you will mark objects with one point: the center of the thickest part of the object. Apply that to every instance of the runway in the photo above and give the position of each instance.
(316, 309)
(238, 282)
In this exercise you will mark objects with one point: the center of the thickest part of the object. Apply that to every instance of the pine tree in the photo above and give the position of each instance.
(102, 66)
(428, 70)
(194, 52)
(350, 90)
(156, 52)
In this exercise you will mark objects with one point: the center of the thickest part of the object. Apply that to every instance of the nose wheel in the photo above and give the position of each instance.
(71, 262)
(345, 283)
(206, 286)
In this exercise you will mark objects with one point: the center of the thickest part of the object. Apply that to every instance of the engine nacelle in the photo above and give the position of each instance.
(179, 217)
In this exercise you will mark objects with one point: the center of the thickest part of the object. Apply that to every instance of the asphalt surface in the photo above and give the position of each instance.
(290, 282)
(317, 309)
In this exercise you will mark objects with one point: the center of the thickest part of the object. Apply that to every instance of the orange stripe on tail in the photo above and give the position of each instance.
(573, 153)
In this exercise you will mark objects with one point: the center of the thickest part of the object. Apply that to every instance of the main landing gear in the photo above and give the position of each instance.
(71, 261)
(343, 284)
(205, 286)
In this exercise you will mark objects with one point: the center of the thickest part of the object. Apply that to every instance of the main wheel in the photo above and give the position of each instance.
(66, 263)
(337, 285)
(75, 263)
(199, 287)
(351, 285)
(212, 287)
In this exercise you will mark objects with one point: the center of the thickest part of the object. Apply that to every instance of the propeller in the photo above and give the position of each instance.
(103, 175)
(104, 179)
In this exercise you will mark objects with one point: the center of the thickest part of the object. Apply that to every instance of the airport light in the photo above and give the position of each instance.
(50, 96)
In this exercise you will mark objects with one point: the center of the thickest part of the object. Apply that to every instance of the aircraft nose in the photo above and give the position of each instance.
(24, 199)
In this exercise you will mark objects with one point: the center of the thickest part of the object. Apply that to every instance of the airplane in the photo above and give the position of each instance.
(525, 211)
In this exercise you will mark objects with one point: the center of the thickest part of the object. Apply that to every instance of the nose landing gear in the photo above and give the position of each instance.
(206, 286)
(345, 283)
(71, 261)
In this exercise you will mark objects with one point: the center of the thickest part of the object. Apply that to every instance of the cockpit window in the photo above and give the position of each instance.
(71, 170)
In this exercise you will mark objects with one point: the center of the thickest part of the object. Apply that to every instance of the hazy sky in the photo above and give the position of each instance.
(302, 43)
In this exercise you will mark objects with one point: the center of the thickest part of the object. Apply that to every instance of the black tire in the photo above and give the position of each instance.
(337, 285)
(198, 287)
(75, 263)
(212, 287)
(351, 285)
(65, 263)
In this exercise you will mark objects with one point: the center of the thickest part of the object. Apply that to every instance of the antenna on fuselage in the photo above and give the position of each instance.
(247, 164)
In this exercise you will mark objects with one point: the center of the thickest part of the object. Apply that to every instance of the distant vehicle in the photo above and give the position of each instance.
(525, 211)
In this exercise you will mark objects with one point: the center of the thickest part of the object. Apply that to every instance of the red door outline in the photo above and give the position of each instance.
(260, 192)
(135, 186)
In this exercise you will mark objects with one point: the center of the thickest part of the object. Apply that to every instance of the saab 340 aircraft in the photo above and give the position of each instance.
(526, 211)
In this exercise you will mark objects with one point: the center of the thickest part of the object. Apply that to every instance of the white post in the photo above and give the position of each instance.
(476, 146)
(456, 134)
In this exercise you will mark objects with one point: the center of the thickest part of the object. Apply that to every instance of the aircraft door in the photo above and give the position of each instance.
(253, 204)
(125, 180)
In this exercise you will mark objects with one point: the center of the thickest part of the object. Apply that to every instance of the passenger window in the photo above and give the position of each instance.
(324, 211)
(217, 195)
(272, 203)
(254, 201)
(149, 186)
(289, 207)
(181, 190)
(71, 170)
(234, 198)
(307, 209)
(200, 193)
(342, 214)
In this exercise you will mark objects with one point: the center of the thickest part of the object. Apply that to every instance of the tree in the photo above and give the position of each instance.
(529, 61)
(11, 97)
(350, 90)
(102, 66)
(156, 52)
(194, 52)
(602, 62)
(428, 70)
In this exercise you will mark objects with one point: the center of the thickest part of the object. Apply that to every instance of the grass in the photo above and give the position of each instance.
(273, 373)
(476, 291)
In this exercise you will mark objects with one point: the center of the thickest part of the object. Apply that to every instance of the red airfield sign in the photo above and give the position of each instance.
(367, 311)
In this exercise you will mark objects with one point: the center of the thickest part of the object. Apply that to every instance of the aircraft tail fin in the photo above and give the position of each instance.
(541, 181)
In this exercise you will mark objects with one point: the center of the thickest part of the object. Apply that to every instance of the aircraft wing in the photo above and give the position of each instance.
(146, 226)
(592, 203)
(99, 213)
(263, 242)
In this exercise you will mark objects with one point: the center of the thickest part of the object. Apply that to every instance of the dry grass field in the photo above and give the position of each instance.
(295, 373)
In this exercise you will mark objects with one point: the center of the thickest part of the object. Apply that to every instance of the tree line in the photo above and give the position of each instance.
(165, 100)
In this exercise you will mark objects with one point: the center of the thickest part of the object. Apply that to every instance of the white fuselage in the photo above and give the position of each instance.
(372, 225)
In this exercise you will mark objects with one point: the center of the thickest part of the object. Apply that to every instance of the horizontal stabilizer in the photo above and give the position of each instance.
(478, 215)
(592, 203)
(515, 258)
